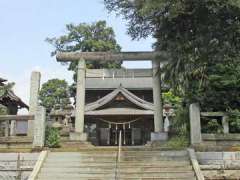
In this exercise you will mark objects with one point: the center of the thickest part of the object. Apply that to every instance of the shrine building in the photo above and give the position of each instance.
(110, 101)
(117, 100)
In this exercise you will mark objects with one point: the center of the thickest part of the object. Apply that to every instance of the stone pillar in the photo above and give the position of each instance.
(79, 134)
(225, 124)
(195, 124)
(6, 129)
(158, 134)
(33, 102)
(39, 127)
(158, 106)
(13, 128)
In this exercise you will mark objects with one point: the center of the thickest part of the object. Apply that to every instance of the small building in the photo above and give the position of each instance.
(10, 100)
(116, 100)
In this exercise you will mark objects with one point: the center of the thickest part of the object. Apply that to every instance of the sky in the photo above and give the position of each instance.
(25, 24)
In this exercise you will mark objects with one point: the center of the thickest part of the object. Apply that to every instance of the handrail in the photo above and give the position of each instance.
(119, 146)
(41, 159)
(194, 162)
(118, 156)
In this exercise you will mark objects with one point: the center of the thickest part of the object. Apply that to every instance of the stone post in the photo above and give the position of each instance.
(39, 127)
(6, 129)
(158, 114)
(33, 102)
(195, 124)
(225, 124)
(13, 128)
(79, 134)
(158, 133)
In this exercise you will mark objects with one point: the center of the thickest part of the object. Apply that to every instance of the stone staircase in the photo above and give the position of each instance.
(101, 165)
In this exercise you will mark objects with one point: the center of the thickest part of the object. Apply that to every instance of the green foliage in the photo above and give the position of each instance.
(212, 126)
(176, 143)
(180, 123)
(54, 92)
(202, 40)
(179, 129)
(87, 38)
(4, 88)
(222, 89)
(3, 110)
(52, 137)
(170, 98)
(234, 121)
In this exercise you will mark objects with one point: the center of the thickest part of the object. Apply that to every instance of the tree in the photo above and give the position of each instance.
(202, 39)
(4, 88)
(54, 92)
(87, 38)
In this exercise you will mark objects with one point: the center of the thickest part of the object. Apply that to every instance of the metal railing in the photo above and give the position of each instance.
(118, 156)
(119, 146)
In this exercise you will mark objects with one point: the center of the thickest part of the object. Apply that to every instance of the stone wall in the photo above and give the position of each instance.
(219, 165)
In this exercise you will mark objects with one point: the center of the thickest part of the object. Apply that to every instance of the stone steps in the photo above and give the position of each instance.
(120, 178)
(134, 165)
(112, 176)
(112, 159)
(112, 164)
(122, 175)
(121, 169)
(110, 152)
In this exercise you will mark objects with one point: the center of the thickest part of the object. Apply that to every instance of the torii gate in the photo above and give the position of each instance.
(81, 57)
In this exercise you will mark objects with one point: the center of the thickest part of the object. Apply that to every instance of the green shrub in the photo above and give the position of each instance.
(212, 126)
(170, 98)
(180, 123)
(178, 142)
(52, 137)
(179, 129)
(234, 121)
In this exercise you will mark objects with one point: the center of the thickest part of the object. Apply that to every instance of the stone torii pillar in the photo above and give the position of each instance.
(158, 133)
(157, 100)
(79, 134)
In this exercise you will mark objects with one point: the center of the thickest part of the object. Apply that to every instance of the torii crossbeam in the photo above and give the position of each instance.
(109, 56)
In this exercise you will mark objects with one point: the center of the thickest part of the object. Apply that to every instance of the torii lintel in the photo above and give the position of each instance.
(110, 56)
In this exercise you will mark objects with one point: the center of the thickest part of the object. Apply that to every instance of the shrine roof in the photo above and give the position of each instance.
(142, 104)
(2, 80)
(9, 97)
